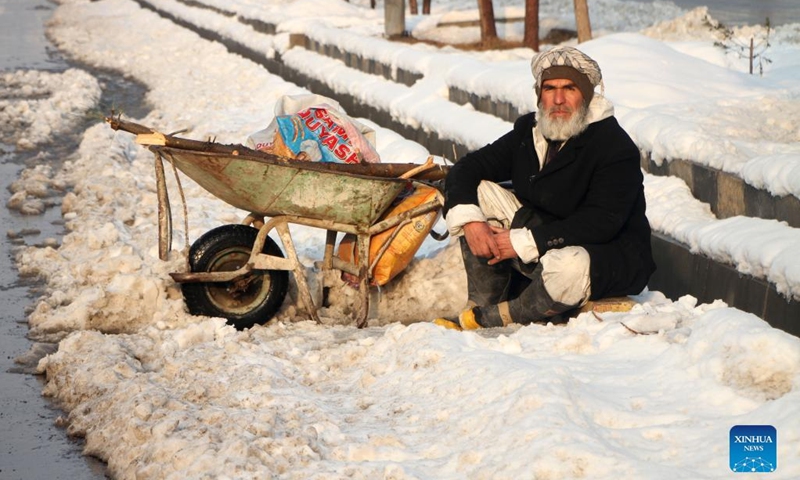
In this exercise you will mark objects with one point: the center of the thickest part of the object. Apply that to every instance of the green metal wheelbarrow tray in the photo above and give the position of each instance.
(237, 271)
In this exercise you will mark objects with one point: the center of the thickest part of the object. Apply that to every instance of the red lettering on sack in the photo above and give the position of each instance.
(325, 118)
(312, 124)
(342, 150)
(304, 114)
(329, 141)
(353, 158)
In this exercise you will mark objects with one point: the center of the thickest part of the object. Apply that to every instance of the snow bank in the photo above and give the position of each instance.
(302, 400)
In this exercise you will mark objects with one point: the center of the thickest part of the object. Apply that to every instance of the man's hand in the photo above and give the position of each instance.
(481, 240)
(489, 242)
(502, 238)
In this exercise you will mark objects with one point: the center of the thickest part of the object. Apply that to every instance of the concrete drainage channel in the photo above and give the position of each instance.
(682, 272)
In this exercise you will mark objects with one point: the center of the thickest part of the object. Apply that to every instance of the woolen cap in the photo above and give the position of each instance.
(567, 63)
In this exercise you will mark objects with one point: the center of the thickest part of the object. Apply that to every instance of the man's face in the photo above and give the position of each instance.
(560, 98)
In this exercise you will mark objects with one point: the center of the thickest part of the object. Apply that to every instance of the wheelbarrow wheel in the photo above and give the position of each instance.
(246, 301)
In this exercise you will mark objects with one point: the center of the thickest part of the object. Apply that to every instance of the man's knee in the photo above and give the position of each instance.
(565, 275)
(497, 203)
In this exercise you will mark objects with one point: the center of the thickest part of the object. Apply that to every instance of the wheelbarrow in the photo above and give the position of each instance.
(237, 271)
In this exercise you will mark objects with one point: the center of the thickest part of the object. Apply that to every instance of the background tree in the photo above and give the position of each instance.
(582, 21)
(488, 28)
(413, 7)
(531, 37)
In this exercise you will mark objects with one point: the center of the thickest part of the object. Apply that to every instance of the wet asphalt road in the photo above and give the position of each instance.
(31, 445)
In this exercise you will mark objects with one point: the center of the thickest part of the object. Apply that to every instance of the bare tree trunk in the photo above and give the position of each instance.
(371, 4)
(394, 17)
(531, 38)
(426, 7)
(582, 21)
(412, 7)
(488, 27)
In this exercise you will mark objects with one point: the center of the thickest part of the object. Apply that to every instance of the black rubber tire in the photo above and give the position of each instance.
(227, 248)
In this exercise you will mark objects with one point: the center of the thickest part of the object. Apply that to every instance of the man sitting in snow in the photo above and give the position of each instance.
(574, 228)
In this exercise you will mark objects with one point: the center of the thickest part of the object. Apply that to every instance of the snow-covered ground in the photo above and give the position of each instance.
(161, 394)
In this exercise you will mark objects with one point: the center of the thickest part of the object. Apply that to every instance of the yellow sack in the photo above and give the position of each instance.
(403, 247)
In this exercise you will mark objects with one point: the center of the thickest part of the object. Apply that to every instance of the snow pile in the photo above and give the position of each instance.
(35, 105)
(33, 192)
(696, 24)
(307, 401)
(108, 254)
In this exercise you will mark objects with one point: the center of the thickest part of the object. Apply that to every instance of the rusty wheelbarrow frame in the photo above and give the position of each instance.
(334, 197)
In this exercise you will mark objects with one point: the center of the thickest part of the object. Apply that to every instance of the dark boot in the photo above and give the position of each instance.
(489, 288)
(486, 284)
(534, 303)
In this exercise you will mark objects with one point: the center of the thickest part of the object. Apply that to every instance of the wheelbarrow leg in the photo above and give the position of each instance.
(327, 265)
(363, 278)
(330, 243)
(164, 212)
(299, 272)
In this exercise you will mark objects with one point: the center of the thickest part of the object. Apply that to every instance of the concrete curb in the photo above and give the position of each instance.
(691, 273)
(727, 194)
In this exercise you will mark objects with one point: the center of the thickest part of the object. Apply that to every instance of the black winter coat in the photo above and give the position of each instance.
(590, 194)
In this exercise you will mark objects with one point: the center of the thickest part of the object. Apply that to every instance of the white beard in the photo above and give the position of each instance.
(561, 128)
